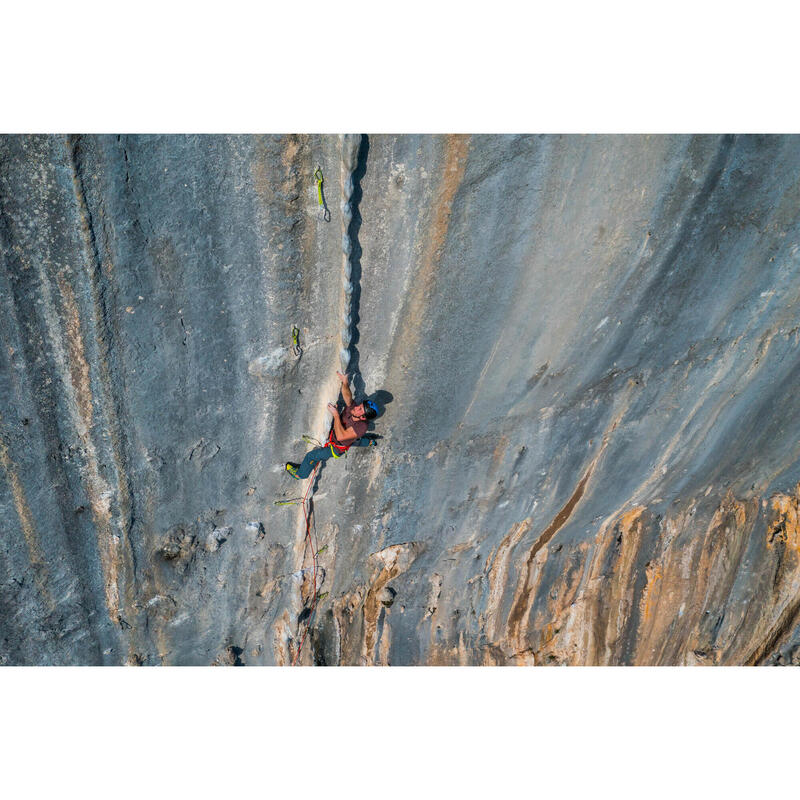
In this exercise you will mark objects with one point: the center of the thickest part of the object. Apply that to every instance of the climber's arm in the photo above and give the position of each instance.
(347, 395)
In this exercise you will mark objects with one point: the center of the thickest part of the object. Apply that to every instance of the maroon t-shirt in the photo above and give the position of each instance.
(360, 426)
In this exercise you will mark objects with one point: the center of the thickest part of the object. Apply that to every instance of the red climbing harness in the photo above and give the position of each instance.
(342, 447)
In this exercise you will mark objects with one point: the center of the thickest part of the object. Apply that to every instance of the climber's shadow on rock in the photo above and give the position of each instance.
(381, 398)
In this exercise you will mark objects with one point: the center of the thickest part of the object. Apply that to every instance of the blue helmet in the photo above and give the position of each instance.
(370, 409)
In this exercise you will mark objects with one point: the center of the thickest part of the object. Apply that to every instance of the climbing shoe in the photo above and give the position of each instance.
(291, 468)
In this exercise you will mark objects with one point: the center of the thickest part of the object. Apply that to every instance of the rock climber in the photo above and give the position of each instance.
(349, 427)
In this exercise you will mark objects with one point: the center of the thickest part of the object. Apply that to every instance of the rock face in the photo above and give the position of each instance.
(585, 351)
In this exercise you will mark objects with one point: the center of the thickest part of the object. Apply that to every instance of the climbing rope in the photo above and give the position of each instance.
(314, 555)
(309, 540)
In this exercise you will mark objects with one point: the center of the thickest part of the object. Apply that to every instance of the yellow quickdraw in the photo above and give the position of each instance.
(323, 213)
(296, 349)
(318, 177)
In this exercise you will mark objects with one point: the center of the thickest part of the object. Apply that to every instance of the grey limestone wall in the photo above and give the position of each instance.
(585, 352)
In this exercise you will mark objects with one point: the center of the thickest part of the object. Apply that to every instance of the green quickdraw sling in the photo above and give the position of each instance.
(324, 214)
(296, 349)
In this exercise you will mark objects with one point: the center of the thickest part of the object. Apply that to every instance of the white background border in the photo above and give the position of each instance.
(411, 67)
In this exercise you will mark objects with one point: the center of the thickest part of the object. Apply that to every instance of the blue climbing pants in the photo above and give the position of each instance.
(313, 457)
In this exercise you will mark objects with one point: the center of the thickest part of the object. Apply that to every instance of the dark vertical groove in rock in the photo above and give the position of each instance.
(352, 169)
(355, 260)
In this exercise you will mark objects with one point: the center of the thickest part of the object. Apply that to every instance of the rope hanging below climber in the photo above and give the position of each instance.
(309, 541)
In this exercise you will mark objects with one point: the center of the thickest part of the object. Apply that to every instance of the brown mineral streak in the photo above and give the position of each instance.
(666, 581)
(687, 591)
(26, 522)
(497, 574)
(387, 564)
(499, 451)
(393, 565)
(260, 174)
(309, 233)
(522, 601)
(521, 607)
(78, 366)
(290, 153)
(95, 485)
(456, 148)
(123, 489)
(385, 644)
(622, 581)
(653, 575)
(597, 615)
(783, 529)
(455, 163)
(561, 600)
(445, 655)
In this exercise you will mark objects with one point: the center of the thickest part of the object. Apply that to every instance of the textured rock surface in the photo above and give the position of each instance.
(586, 349)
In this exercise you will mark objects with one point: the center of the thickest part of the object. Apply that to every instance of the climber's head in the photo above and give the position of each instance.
(365, 411)
(370, 409)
